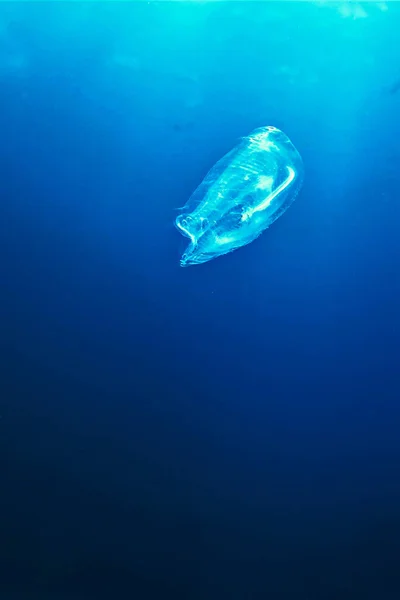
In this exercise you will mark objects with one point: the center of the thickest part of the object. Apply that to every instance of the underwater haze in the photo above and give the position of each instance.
(227, 431)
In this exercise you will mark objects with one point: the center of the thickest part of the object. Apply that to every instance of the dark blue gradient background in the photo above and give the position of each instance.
(228, 431)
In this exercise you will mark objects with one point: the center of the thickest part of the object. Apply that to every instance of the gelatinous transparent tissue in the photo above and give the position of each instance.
(243, 193)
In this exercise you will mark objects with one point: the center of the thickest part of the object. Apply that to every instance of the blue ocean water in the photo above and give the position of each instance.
(225, 431)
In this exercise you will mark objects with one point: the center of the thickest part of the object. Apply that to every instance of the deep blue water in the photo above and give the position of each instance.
(224, 431)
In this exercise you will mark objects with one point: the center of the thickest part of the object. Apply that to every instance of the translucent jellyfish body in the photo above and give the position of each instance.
(243, 193)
